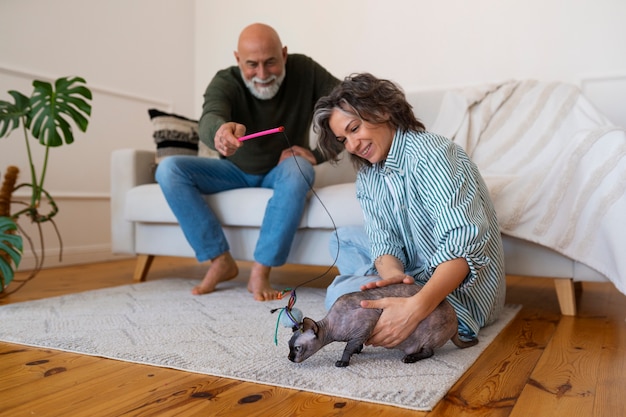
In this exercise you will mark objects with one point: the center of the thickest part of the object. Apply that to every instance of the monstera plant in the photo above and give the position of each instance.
(46, 115)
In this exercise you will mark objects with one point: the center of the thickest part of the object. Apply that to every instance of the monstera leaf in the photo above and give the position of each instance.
(10, 250)
(46, 115)
(49, 114)
(50, 104)
(11, 113)
(48, 111)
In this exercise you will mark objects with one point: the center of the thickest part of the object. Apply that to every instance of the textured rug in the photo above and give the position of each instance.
(227, 334)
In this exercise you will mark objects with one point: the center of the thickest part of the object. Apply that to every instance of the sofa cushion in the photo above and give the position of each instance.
(336, 201)
(146, 203)
(177, 135)
(242, 207)
(173, 134)
(339, 173)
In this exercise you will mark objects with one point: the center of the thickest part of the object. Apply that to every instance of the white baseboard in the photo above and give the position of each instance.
(71, 256)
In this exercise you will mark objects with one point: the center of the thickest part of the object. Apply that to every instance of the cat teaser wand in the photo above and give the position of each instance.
(262, 133)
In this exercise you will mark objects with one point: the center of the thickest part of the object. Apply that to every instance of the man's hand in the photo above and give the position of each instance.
(297, 151)
(226, 138)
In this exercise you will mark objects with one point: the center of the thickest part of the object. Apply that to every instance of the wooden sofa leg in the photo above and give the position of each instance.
(142, 267)
(566, 293)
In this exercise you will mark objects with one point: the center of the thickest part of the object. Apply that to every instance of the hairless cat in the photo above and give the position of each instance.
(347, 322)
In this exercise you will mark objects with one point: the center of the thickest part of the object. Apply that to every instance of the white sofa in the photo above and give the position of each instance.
(143, 224)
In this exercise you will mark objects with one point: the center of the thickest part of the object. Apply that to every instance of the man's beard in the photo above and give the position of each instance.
(265, 93)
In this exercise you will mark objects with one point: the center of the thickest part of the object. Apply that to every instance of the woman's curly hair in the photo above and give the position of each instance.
(370, 99)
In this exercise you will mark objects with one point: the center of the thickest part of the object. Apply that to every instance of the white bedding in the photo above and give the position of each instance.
(555, 167)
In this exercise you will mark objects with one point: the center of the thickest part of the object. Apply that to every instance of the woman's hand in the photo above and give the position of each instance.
(398, 279)
(400, 317)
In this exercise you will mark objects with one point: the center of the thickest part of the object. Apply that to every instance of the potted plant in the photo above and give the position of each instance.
(46, 116)
(10, 250)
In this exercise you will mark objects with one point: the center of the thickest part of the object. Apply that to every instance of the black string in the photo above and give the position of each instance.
(325, 209)
(292, 297)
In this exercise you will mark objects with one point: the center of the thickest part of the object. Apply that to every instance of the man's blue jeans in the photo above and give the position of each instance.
(185, 179)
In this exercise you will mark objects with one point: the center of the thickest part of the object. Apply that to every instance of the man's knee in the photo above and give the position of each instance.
(164, 170)
(298, 167)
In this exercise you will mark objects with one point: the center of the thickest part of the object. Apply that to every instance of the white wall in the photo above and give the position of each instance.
(134, 54)
(137, 54)
(425, 43)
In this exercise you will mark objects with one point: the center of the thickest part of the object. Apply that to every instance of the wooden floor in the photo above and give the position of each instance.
(542, 364)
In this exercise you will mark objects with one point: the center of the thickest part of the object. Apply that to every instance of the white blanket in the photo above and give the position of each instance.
(555, 167)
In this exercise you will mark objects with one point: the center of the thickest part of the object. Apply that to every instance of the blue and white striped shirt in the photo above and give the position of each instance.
(427, 204)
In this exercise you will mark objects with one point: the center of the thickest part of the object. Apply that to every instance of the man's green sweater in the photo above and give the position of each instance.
(227, 99)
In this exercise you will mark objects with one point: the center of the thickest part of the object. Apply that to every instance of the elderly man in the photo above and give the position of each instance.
(267, 88)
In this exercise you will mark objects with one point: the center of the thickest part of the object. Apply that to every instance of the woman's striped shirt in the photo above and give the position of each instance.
(427, 204)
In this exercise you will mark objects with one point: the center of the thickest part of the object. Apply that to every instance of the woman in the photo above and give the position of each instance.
(428, 215)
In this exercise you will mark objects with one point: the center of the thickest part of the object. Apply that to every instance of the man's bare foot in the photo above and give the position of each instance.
(222, 268)
(259, 283)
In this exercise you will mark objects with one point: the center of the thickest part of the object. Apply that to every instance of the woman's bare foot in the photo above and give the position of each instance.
(222, 268)
(259, 283)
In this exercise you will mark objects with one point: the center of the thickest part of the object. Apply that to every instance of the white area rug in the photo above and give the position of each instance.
(228, 334)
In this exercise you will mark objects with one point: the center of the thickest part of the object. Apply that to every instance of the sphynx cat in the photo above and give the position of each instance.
(347, 322)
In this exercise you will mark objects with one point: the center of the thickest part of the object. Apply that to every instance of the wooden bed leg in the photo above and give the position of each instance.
(143, 266)
(566, 293)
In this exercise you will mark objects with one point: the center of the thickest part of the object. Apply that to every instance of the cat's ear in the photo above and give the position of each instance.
(309, 324)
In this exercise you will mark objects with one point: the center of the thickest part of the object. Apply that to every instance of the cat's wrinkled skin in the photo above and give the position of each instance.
(348, 322)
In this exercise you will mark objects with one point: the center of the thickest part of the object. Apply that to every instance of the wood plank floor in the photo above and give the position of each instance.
(542, 364)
